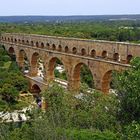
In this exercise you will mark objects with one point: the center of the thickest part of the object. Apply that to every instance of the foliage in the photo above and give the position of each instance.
(107, 30)
(132, 131)
(127, 85)
(91, 110)
(11, 82)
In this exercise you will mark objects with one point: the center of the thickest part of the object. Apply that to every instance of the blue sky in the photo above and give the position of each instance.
(68, 7)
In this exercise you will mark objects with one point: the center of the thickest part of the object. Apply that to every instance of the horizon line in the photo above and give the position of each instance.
(68, 15)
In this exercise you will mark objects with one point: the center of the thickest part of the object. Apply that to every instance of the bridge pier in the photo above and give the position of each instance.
(74, 85)
(33, 71)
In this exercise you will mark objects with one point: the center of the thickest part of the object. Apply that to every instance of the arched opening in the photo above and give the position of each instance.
(8, 39)
(116, 57)
(56, 71)
(32, 43)
(15, 40)
(48, 45)
(129, 58)
(19, 40)
(74, 50)
(93, 53)
(60, 48)
(27, 42)
(37, 66)
(11, 52)
(37, 44)
(23, 62)
(104, 54)
(53, 47)
(82, 75)
(11, 39)
(83, 52)
(66, 49)
(107, 81)
(42, 45)
(35, 90)
(5, 38)
(23, 41)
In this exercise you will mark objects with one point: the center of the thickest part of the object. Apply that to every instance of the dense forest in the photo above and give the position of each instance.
(102, 30)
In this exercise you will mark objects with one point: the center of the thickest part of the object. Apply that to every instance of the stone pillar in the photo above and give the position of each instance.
(105, 86)
(20, 62)
(101, 84)
(49, 75)
(33, 71)
(74, 85)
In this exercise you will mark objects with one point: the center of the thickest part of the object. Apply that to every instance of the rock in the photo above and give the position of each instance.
(15, 117)
(23, 117)
(7, 116)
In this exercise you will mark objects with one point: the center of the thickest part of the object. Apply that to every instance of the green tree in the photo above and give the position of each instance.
(128, 88)
(8, 92)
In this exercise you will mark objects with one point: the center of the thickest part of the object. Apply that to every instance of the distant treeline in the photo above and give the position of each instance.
(102, 30)
(59, 19)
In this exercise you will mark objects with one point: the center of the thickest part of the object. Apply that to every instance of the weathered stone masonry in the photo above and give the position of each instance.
(101, 57)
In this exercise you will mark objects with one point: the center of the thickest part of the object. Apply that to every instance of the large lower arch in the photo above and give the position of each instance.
(106, 81)
(23, 60)
(12, 53)
(37, 64)
(77, 76)
(51, 69)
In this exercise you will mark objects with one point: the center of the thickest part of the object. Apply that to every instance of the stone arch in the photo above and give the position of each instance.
(15, 40)
(35, 89)
(23, 41)
(19, 40)
(60, 48)
(11, 51)
(116, 57)
(32, 43)
(104, 54)
(74, 50)
(11, 39)
(50, 66)
(23, 60)
(106, 80)
(83, 51)
(66, 49)
(47, 45)
(76, 75)
(129, 58)
(27, 42)
(93, 53)
(53, 47)
(37, 44)
(42, 45)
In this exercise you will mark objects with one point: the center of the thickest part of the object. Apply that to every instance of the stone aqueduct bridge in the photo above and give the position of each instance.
(101, 57)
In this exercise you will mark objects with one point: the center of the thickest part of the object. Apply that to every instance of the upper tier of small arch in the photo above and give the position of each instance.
(115, 51)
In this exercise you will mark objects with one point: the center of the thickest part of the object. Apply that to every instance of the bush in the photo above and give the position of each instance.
(1, 63)
(132, 131)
